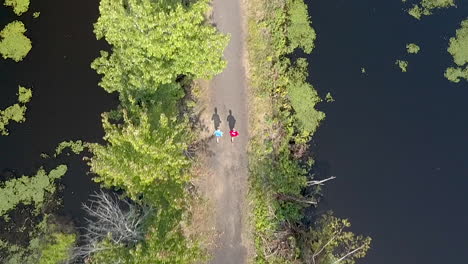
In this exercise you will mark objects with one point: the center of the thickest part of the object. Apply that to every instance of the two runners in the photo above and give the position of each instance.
(218, 133)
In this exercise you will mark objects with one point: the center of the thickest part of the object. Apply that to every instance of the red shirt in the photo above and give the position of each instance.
(233, 133)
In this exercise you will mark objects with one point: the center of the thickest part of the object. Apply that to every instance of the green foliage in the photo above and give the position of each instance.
(285, 107)
(140, 154)
(14, 44)
(29, 190)
(58, 249)
(456, 74)
(164, 243)
(75, 146)
(412, 48)
(402, 64)
(36, 14)
(46, 245)
(329, 98)
(458, 48)
(425, 7)
(299, 32)
(363, 70)
(155, 42)
(328, 242)
(15, 112)
(19, 6)
(303, 98)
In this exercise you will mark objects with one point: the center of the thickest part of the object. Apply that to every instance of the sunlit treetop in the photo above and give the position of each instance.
(13, 43)
(155, 42)
(19, 6)
(458, 48)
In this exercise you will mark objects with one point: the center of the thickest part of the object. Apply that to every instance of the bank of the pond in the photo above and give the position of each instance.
(396, 141)
(66, 103)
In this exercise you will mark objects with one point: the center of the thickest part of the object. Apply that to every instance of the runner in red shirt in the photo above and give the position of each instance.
(233, 134)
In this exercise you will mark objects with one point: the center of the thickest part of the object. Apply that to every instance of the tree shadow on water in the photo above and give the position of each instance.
(231, 120)
(216, 119)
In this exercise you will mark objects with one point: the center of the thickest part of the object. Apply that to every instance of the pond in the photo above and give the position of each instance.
(66, 103)
(397, 142)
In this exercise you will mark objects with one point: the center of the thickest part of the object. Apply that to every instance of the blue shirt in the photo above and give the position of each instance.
(218, 133)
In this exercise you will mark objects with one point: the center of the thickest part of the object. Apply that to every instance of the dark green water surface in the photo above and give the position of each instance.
(67, 102)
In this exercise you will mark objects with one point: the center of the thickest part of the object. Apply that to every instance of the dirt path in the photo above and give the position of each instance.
(229, 163)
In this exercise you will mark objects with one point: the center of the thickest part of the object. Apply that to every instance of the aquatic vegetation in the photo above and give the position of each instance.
(402, 64)
(458, 48)
(48, 244)
(149, 52)
(363, 70)
(75, 146)
(15, 112)
(36, 14)
(29, 190)
(412, 48)
(329, 98)
(19, 6)
(425, 7)
(14, 44)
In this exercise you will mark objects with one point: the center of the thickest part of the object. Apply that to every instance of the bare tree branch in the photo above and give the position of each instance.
(108, 220)
(311, 183)
(349, 254)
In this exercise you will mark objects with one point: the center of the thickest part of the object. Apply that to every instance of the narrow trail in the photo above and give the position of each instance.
(229, 163)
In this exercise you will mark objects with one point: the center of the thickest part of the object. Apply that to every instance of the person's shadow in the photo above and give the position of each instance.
(231, 120)
(216, 119)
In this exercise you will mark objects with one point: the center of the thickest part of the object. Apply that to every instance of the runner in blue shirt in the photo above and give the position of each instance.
(218, 133)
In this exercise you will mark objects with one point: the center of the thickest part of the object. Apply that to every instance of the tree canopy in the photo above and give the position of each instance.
(14, 44)
(155, 42)
(458, 48)
(140, 155)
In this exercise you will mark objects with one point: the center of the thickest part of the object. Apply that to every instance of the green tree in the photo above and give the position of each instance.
(140, 156)
(329, 243)
(300, 34)
(303, 98)
(155, 42)
(14, 44)
(58, 249)
(19, 6)
(458, 48)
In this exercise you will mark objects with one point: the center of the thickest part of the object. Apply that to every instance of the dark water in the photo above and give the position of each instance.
(67, 101)
(397, 142)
